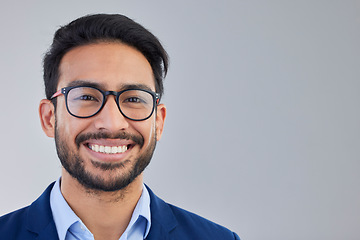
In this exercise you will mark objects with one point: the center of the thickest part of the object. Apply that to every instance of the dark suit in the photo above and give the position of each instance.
(167, 222)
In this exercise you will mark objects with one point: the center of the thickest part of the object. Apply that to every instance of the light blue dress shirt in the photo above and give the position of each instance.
(70, 227)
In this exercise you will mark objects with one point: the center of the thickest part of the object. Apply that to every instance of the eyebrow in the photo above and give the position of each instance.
(89, 83)
(85, 83)
(135, 86)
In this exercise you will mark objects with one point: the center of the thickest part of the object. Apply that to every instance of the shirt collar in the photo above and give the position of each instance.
(142, 209)
(64, 217)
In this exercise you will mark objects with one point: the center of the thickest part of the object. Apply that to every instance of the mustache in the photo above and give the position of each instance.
(138, 139)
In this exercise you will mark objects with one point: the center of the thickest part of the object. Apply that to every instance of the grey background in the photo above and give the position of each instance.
(262, 133)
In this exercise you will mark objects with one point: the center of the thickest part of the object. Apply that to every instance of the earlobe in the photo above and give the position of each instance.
(47, 117)
(160, 120)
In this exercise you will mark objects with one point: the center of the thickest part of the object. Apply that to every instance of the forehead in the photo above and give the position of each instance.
(110, 65)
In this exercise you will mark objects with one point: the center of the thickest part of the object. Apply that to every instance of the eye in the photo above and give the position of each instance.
(85, 95)
(134, 100)
(87, 98)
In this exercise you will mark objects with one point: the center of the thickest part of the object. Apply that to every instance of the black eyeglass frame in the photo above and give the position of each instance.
(65, 91)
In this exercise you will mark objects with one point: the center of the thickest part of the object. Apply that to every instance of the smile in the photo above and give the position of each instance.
(108, 149)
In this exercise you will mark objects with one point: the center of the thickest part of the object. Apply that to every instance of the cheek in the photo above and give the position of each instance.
(146, 129)
(68, 126)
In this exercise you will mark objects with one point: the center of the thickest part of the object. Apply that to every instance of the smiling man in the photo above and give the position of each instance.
(103, 80)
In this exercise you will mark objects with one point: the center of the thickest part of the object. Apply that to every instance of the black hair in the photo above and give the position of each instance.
(104, 28)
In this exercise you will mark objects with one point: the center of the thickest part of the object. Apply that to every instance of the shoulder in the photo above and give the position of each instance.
(182, 224)
(196, 225)
(28, 222)
(13, 224)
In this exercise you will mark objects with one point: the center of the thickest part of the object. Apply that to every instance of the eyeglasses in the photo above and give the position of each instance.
(85, 102)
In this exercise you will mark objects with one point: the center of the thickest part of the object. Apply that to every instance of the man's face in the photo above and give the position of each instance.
(111, 67)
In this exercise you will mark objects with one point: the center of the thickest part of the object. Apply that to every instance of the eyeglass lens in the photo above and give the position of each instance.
(87, 101)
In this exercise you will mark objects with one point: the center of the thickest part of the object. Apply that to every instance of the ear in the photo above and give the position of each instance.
(160, 119)
(47, 117)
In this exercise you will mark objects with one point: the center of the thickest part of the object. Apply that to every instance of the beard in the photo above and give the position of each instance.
(119, 177)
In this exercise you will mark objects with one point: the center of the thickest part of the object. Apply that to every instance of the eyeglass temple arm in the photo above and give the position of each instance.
(58, 93)
(157, 98)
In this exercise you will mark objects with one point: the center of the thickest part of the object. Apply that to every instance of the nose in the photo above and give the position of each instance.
(110, 117)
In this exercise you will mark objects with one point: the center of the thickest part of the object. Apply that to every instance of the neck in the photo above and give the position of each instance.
(105, 214)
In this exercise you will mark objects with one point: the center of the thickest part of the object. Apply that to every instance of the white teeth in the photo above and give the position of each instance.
(96, 148)
(107, 149)
(114, 149)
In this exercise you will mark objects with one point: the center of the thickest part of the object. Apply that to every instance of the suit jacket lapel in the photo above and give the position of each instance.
(163, 220)
(49, 232)
(40, 220)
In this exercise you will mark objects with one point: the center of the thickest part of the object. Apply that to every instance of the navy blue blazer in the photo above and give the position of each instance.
(167, 222)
